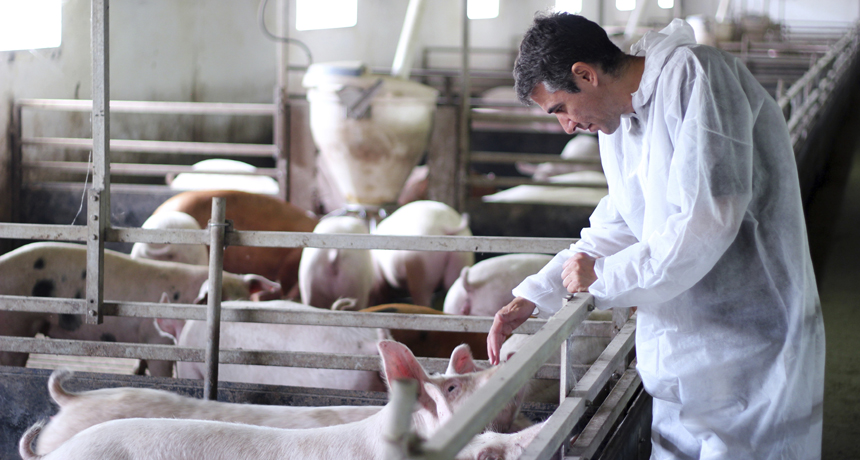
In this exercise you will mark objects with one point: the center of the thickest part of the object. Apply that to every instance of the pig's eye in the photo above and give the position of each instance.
(451, 388)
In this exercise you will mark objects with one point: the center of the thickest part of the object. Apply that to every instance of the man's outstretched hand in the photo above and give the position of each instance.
(506, 320)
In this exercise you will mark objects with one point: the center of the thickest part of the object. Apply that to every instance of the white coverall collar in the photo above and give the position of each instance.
(657, 47)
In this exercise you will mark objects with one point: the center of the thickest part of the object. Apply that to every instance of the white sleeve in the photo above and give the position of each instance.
(709, 183)
(607, 235)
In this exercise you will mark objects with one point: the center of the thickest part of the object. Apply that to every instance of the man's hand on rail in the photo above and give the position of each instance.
(506, 320)
(578, 272)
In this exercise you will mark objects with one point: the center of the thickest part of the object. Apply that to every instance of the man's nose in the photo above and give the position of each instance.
(567, 124)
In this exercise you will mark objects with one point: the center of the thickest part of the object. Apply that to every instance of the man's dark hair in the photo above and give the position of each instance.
(553, 44)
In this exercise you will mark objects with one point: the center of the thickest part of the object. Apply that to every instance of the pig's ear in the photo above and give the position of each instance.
(461, 361)
(398, 362)
(203, 294)
(170, 328)
(443, 409)
(261, 288)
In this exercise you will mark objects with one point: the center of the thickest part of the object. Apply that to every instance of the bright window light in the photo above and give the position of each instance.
(31, 24)
(666, 4)
(482, 9)
(326, 14)
(568, 6)
(625, 5)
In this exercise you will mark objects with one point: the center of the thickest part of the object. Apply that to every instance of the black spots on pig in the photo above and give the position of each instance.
(176, 296)
(39, 264)
(43, 288)
(107, 337)
(69, 322)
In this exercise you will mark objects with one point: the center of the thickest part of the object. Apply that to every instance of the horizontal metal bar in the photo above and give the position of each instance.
(509, 117)
(514, 181)
(350, 241)
(56, 305)
(481, 407)
(178, 147)
(507, 157)
(295, 239)
(256, 312)
(190, 354)
(604, 419)
(139, 169)
(114, 188)
(178, 108)
(609, 361)
(43, 232)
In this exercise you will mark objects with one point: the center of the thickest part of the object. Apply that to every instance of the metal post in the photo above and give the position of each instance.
(98, 206)
(566, 381)
(213, 308)
(404, 394)
(282, 103)
(17, 157)
(465, 108)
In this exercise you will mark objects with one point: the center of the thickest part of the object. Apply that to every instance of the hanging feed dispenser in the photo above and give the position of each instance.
(371, 130)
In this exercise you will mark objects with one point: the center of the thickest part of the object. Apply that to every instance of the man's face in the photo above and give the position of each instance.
(591, 109)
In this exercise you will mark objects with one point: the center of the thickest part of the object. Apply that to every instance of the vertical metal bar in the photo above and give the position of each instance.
(282, 102)
(17, 155)
(213, 309)
(404, 393)
(566, 380)
(98, 206)
(465, 122)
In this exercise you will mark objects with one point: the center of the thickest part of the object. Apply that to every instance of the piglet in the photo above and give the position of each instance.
(49, 269)
(195, 254)
(151, 439)
(419, 272)
(484, 288)
(329, 274)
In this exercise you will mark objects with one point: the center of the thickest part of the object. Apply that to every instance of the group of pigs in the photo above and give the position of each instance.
(147, 424)
(320, 278)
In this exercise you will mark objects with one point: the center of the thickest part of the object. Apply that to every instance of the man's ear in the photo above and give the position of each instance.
(584, 73)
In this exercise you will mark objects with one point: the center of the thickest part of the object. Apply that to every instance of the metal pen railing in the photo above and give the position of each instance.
(529, 361)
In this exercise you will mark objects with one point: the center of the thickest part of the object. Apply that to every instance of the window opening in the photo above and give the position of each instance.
(482, 9)
(326, 14)
(31, 24)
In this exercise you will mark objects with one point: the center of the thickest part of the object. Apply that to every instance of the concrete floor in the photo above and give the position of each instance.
(838, 275)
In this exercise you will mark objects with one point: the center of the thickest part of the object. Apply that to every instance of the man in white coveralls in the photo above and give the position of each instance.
(702, 230)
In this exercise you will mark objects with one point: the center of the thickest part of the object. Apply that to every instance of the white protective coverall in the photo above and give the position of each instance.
(703, 230)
